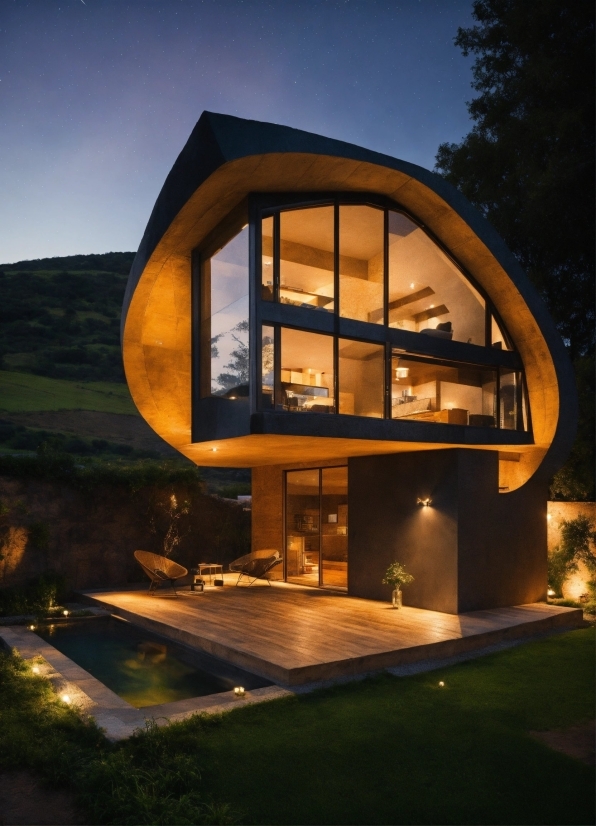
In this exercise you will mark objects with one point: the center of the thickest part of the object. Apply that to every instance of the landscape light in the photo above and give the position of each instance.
(31, 628)
(65, 613)
(65, 698)
(424, 502)
(35, 669)
(441, 684)
(239, 691)
(550, 592)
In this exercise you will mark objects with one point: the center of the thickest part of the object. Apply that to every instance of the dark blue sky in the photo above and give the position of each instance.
(98, 97)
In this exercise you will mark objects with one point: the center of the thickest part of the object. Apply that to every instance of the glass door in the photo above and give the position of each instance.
(334, 527)
(316, 527)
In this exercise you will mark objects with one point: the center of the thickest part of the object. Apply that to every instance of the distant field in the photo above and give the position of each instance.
(24, 392)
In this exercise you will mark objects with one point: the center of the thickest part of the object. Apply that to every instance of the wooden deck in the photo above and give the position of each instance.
(294, 635)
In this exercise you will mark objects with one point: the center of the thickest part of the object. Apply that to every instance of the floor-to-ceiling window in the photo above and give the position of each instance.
(224, 320)
(377, 318)
(316, 527)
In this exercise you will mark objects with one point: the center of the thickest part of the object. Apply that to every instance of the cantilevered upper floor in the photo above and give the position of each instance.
(297, 298)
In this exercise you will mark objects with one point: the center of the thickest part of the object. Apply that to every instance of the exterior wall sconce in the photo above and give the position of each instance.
(424, 502)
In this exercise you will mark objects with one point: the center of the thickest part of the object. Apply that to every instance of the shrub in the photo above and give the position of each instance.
(578, 539)
(39, 596)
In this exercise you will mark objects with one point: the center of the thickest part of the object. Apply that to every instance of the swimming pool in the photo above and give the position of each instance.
(143, 668)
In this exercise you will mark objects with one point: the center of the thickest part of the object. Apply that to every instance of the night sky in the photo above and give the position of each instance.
(97, 98)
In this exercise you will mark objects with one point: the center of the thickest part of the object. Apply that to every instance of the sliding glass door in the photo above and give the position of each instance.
(316, 527)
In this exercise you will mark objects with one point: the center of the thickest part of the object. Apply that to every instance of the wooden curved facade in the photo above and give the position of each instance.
(227, 159)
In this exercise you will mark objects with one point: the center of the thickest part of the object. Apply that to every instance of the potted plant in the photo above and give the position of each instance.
(397, 576)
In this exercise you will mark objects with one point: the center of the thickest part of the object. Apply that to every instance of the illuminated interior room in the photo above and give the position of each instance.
(346, 325)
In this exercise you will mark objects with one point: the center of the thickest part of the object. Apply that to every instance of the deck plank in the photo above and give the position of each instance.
(294, 634)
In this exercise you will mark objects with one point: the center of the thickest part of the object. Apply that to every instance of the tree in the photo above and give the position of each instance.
(528, 166)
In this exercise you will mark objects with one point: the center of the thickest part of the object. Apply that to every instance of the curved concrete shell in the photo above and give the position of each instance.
(226, 159)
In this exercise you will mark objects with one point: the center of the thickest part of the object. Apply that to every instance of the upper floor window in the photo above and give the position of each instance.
(387, 270)
(428, 294)
(224, 320)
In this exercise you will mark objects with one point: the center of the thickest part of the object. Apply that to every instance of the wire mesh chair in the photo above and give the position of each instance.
(256, 565)
(160, 570)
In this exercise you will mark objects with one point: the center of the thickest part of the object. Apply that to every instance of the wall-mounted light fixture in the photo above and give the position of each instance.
(424, 502)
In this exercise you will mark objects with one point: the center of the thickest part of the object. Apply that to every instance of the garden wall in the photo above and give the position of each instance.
(89, 536)
(575, 584)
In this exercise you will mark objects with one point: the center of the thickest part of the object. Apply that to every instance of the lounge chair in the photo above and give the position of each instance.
(256, 565)
(159, 569)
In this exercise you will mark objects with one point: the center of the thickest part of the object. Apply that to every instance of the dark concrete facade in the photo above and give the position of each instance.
(471, 548)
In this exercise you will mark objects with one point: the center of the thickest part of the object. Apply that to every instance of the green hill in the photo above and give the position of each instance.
(61, 376)
(20, 392)
(60, 317)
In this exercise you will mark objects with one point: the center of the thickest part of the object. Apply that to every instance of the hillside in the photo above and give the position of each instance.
(61, 376)
(60, 318)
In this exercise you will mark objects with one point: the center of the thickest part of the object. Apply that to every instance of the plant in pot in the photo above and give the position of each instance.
(397, 576)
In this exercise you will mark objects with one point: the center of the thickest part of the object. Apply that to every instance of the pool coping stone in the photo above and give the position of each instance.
(114, 715)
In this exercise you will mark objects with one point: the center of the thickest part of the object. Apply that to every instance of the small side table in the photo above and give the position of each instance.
(210, 569)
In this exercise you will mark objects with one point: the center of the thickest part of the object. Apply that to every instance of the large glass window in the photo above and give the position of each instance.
(306, 258)
(443, 392)
(510, 400)
(361, 263)
(334, 527)
(307, 383)
(267, 368)
(361, 368)
(303, 522)
(224, 320)
(427, 292)
(316, 511)
(267, 259)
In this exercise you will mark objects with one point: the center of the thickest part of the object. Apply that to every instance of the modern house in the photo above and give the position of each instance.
(349, 327)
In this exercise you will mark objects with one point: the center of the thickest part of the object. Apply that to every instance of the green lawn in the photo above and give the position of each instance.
(24, 392)
(393, 750)
(386, 750)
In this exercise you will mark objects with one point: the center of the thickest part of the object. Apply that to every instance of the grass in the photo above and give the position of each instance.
(24, 392)
(385, 750)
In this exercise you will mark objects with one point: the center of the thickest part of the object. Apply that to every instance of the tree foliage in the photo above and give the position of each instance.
(528, 166)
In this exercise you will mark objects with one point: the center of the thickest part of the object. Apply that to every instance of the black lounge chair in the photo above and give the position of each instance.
(256, 565)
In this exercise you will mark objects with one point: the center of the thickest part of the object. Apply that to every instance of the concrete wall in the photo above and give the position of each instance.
(576, 584)
(566, 510)
(92, 535)
(472, 548)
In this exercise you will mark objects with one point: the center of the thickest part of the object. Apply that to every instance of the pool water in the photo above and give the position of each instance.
(142, 668)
